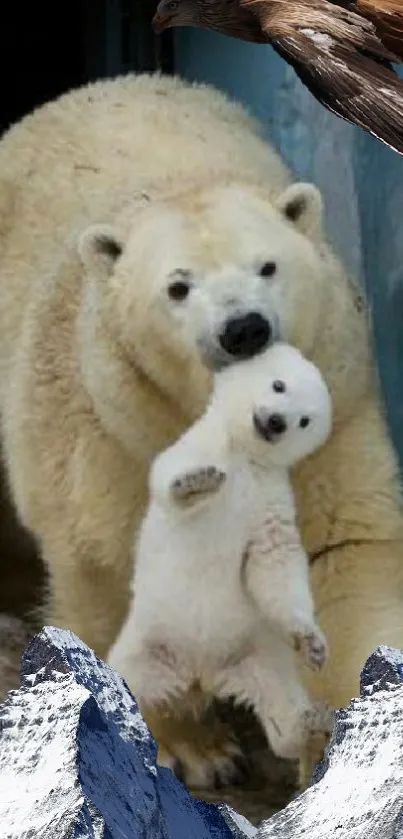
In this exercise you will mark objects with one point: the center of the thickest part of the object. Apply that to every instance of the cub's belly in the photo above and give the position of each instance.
(189, 582)
(203, 617)
(212, 614)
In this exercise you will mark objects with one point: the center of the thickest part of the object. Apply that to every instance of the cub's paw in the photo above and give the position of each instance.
(312, 646)
(197, 484)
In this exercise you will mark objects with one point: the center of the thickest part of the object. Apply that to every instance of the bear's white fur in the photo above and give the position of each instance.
(221, 587)
(100, 369)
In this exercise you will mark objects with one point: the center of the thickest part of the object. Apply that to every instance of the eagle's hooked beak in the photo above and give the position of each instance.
(160, 22)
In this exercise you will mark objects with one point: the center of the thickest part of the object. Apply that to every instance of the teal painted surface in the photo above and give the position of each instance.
(362, 180)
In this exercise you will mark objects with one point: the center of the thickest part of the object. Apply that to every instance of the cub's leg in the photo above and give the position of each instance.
(199, 748)
(152, 671)
(267, 680)
(200, 751)
(276, 575)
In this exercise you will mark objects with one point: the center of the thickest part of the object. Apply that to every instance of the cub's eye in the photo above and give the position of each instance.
(268, 269)
(279, 386)
(304, 421)
(178, 290)
(172, 6)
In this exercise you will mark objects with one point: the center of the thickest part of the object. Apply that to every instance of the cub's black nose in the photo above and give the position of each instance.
(276, 424)
(269, 428)
(245, 336)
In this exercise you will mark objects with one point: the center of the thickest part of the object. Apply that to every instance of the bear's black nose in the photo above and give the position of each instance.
(245, 336)
(276, 424)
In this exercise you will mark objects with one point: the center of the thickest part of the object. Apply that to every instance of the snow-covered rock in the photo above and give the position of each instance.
(357, 789)
(78, 762)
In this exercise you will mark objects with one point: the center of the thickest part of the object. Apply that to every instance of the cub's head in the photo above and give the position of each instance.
(276, 406)
(216, 276)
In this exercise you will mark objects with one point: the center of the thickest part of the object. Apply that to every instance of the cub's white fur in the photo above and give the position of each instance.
(221, 591)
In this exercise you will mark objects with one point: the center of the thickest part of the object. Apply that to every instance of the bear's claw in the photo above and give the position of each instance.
(212, 767)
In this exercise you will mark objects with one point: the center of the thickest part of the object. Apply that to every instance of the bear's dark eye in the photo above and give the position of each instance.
(304, 421)
(268, 269)
(108, 247)
(178, 290)
(279, 386)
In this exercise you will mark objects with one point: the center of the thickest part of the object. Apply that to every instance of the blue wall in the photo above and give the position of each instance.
(361, 179)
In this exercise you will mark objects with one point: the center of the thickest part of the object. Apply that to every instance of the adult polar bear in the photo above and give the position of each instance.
(203, 251)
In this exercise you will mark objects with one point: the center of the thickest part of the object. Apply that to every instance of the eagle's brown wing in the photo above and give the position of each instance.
(339, 57)
(387, 16)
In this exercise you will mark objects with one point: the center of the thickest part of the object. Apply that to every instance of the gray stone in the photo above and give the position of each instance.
(357, 790)
(78, 762)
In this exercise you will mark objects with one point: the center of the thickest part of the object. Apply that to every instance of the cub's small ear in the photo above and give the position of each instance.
(302, 205)
(99, 247)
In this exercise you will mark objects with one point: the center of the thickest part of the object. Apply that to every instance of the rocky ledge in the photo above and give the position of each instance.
(78, 762)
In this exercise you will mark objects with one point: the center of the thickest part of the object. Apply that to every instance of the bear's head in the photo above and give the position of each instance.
(276, 406)
(217, 275)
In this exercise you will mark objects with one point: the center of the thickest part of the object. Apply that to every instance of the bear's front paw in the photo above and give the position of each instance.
(312, 646)
(194, 485)
(319, 719)
(318, 724)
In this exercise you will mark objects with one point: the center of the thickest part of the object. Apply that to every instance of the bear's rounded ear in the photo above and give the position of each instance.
(99, 247)
(302, 205)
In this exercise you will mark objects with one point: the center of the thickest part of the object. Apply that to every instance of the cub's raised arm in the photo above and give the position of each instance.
(193, 468)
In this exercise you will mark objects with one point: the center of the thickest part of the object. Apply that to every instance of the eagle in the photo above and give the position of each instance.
(342, 50)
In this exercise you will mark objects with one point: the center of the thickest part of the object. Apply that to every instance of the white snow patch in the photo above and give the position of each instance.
(150, 766)
(360, 793)
(38, 759)
(243, 824)
(113, 697)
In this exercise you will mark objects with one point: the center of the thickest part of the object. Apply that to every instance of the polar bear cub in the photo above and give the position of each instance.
(221, 594)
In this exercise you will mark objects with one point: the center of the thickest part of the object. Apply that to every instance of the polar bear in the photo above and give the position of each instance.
(221, 523)
(149, 233)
